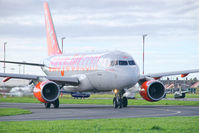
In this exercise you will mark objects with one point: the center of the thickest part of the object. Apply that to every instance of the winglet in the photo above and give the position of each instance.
(53, 47)
(184, 75)
(6, 79)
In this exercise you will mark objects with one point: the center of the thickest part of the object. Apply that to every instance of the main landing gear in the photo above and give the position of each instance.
(119, 100)
(55, 104)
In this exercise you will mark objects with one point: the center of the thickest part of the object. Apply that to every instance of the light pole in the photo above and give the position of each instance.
(63, 44)
(4, 49)
(19, 68)
(143, 50)
(24, 67)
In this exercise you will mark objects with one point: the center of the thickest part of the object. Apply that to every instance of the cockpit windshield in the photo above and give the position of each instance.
(131, 62)
(122, 62)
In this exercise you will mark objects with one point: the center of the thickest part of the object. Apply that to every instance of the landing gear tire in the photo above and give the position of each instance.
(56, 103)
(47, 105)
(120, 103)
(115, 103)
(125, 102)
(119, 100)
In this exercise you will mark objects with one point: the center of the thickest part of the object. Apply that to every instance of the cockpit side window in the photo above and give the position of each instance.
(131, 62)
(114, 63)
(123, 63)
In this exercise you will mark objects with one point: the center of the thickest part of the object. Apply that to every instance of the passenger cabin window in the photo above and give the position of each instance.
(123, 63)
(131, 62)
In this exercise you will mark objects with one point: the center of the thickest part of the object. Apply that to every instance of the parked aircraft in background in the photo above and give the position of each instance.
(19, 91)
(90, 72)
(180, 93)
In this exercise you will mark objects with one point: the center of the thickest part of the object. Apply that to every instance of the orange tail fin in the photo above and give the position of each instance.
(53, 47)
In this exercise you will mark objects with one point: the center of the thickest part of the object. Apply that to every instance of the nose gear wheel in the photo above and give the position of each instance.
(119, 100)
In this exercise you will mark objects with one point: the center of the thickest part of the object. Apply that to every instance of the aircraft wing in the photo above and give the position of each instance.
(159, 75)
(23, 63)
(58, 79)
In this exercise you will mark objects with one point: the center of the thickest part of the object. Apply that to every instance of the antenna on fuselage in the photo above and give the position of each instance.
(143, 36)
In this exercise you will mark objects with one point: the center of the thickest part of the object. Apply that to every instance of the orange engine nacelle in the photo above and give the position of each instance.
(46, 91)
(152, 90)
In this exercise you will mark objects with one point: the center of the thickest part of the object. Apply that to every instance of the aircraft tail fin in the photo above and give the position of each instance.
(53, 47)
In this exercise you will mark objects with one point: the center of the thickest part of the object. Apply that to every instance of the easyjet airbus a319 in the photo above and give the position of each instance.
(92, 72)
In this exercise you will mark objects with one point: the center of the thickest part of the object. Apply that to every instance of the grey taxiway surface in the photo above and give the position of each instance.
(85, 111)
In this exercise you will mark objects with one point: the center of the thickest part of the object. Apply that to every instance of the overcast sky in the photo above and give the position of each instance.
(97, 25)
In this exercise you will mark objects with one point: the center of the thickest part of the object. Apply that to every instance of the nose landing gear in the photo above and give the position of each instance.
(119, 100)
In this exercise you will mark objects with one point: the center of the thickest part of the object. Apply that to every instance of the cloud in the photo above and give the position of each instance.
(101, 18)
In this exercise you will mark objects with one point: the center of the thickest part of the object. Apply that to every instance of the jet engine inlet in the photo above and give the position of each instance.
(50, 91)
(46, 91)
(152, 90)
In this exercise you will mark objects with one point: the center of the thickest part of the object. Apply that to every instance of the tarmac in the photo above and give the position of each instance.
(87, 111)
(177, 99)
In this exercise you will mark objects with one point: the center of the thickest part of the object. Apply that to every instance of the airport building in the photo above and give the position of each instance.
(191, 85)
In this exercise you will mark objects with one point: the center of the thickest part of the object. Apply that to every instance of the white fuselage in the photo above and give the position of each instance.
(96, 71)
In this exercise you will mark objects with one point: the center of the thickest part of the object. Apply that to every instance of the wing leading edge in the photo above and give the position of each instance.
(63, 80)
(23, 63)
(159, 75)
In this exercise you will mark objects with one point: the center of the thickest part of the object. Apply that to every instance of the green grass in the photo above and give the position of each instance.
(19, 99)
(124, 125)
(67, 100)
(102, 96)
(13, 111)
